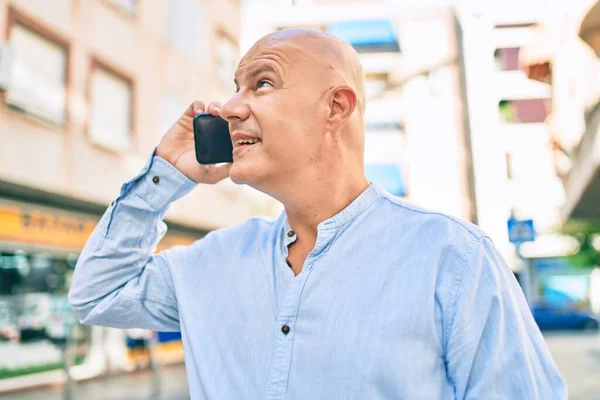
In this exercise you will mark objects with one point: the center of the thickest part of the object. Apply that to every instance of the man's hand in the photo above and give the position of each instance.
(177, 147)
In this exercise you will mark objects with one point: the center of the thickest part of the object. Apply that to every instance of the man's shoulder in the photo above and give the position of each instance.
(252, 230)
(409, 217)
(459, 247)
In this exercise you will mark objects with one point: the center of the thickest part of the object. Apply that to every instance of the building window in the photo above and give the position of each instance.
(125, 6)
(227, 60)
(385, 155)
(111, 109)
(524, 111)
(187, 20)
(507, 59)
(38, 75)
(388, 176)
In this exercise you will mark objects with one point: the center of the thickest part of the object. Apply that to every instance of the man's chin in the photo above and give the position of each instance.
(237, 179)
(242, 174)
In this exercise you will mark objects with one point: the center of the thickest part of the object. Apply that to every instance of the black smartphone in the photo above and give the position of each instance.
(212, 140)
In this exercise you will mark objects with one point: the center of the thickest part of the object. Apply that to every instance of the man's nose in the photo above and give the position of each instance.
(235, 109)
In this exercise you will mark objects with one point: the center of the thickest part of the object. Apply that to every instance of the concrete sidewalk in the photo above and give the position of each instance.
(126, 386)
(577, 355)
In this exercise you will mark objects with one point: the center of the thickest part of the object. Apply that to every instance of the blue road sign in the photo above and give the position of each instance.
(520, 231)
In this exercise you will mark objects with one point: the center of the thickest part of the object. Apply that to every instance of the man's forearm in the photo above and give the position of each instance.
(122, 244)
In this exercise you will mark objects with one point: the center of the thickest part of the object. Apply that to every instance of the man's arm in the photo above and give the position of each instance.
(117, 281)
(494, 349)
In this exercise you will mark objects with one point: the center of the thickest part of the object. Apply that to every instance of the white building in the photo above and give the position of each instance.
(565, 52)
(511, 125)
(417, 146)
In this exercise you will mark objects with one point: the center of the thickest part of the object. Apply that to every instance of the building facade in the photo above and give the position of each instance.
(514, 158)
(565, 53)
(87, 89)
(572, 37)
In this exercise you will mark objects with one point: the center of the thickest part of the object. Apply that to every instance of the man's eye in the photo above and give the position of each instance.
(263, 83)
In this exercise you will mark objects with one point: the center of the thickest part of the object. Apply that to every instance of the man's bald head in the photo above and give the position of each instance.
(328, 56)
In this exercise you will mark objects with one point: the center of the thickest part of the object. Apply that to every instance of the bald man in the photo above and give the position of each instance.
(350, 294)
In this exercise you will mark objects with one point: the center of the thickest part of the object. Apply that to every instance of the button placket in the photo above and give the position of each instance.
(286, 322)
(284, 340)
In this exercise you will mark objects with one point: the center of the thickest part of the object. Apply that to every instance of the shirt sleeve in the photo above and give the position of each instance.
(118, 282)
(494, 349)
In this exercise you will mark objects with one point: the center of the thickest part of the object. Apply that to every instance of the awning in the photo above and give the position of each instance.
(388, 176)
(367, 36)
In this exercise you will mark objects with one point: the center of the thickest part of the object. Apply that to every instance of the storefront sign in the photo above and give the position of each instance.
(43, 227)
(22, 223)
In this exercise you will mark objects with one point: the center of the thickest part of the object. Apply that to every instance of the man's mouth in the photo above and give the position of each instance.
(245, 142)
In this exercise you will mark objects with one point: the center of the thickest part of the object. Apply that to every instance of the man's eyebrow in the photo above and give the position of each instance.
(258, 71)
(264, 68)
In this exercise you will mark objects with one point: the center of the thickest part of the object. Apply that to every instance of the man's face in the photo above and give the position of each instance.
(277, 107)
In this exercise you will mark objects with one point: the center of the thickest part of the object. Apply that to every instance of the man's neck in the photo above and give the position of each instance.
(313, 205)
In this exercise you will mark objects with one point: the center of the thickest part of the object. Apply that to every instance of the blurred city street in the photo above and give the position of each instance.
(576, 354)
(488, 112)
(125, 386)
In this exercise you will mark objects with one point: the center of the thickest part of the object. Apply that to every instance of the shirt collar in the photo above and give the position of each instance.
(353, 210)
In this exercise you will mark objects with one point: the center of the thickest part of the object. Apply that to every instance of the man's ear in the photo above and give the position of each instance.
(342, 104)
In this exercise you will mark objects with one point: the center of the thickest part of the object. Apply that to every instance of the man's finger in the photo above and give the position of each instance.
(214, 108)
(197, 107)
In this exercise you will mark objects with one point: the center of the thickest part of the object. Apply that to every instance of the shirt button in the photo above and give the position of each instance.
(156, 179)
(285, 329)
(291, 234)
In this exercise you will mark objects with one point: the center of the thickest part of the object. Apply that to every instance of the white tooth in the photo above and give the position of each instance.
(246, 141)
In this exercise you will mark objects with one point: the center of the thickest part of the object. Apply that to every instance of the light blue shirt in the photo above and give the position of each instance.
(393, 302)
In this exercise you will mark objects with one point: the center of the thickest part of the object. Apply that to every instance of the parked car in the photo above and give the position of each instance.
(549, 318)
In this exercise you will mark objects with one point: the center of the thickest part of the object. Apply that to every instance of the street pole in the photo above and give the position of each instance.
(525, 275)
(154, 364)
(68, 361)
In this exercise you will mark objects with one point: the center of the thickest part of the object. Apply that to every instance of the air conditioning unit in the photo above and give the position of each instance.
(6, 61)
